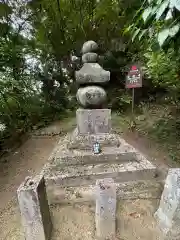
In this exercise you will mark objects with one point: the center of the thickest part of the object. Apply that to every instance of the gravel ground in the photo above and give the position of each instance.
(135, 221)
(24, 161)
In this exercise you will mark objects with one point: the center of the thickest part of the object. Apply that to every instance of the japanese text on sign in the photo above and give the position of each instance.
(134, 78)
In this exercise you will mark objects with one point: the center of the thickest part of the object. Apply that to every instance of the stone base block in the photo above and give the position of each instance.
(34, 208)
(93, 121)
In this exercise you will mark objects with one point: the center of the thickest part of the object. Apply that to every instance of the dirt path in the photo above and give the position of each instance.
(24, 161)
(150, 149)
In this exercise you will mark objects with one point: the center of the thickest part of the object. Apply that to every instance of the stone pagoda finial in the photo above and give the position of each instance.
(90, 78)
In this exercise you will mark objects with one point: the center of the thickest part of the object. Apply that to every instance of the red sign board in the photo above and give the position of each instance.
(134, 77)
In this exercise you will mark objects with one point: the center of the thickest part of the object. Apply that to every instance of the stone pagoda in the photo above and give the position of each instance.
(92, 117)
(74, 174)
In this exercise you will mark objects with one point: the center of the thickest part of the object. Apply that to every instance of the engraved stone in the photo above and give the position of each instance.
(91, 96)
(93, 121)
(105, 209)
(168, 213)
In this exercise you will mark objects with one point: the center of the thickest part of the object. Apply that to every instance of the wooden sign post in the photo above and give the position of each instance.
(134, 80)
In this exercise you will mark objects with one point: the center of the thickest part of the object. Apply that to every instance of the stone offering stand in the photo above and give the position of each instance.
(74, 174)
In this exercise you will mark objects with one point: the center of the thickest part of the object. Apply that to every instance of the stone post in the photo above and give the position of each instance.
(92, 118)
(168, 213)
(35, 214)
(105, 217)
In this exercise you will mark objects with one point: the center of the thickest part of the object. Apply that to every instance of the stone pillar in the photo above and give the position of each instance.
(105, 217)
(168, 213)
(92, 118)
(35, 214)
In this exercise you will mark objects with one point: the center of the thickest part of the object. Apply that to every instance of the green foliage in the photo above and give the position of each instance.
(5, 9)
(64, 33)
(165, 131)
(161, 21)
(119, 100)
(163, 69)
(49, 33)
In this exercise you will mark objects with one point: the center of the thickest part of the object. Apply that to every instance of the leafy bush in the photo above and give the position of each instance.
(164, 69)
(119, 100)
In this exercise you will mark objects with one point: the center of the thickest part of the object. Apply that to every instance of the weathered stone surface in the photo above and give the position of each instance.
(89, 58)
(89, 46)
(105, 216)
(91, 96)
(93, 121)
(35, 214)
(147, 189)
(83, 175)
(108, 154)
(168, 213)
(92, 73)
(85, 142)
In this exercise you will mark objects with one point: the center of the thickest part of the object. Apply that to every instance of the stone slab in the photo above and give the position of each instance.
(82, 157)
(98, 168)
(86, 175)
(168, 213)
(93, 121)
(34, 208)
(147, 189)
(105, 216)
(85, 180)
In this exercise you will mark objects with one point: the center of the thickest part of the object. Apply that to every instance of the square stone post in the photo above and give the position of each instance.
(168, 213)
(105, 217)
(33, 204)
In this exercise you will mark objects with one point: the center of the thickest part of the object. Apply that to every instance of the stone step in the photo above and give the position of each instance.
(88, 174)
(147, 189)
(108, 154)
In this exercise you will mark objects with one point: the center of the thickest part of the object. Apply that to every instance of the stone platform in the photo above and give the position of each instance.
(72, 171)
(71, 175)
